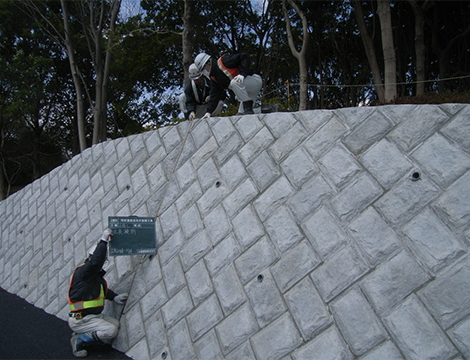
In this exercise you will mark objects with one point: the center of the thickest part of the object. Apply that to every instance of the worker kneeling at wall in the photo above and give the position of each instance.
(87, 293)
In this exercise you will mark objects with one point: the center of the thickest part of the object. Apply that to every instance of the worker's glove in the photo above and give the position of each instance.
(206, 116)
(121, 298)
(192, 115)
(107, 235)
(239, 78)
(207, 99)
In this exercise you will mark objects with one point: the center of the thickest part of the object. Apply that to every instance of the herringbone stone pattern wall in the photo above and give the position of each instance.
(281, 236)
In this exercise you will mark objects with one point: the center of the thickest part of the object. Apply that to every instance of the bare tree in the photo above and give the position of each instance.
(187, 34)
(420, 47)
(370, 51)
(388, 48)
(299, 55)
(98, 20)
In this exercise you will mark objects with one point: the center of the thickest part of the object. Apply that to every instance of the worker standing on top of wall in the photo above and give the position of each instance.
(231, 72)
(87, 293)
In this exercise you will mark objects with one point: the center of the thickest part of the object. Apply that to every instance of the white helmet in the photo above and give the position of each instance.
(194, 72)
(201, 60)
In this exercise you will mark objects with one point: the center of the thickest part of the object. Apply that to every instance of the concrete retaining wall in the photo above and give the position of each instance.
(281, 236)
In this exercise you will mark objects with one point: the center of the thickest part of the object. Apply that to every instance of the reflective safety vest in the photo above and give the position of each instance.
(87, 304)
(231, 73)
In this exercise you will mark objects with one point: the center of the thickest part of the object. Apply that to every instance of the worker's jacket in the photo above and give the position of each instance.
(88, 288)
(196, 94)
(223, 71)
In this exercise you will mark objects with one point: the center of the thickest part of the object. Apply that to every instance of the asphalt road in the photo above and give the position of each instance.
(27, 332)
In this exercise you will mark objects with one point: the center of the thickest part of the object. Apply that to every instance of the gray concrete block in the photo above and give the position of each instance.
(134, 324)
(299, 167)
(338, 272)
(387, 351)
(255, 259)
(356, 196)
(248, 126)
(339, 165)
(233, 172)
(458, 129)
(265, 298)
(432, 241)
(223, 129)
(204, 152)
(229, 290)
(222, 255)
(367, 133)
(276, 340)
(454, 206)
(240, 197)
(204, 317)
(228, 148)
(263, 170)
(208, 174)
(195, 249)
(177, 307)
(308, 199)
(156, 335)
(244, 352)
(442, 160)
(273, 197)
(422, 122)
(217, 224)
(460, 335)
(325, 137)
(181, 347)
(294, 265)
(287, 142)
(212, 197)
(393, 280)
(185, 175)
(324, 232)
(327, 346)
(416, 333)
(407, 198)
(386, 163)
(200, 133)
(199, 282)
(357, 321)
(282, 229)
(374, 237)
(191, 222)
(174, 276)
(153, 300)
(307, 308)
(256, 145)
(170, 138)
(247, 227)
(448, 296)
(208, 347)
(279, 123)
(236, 328)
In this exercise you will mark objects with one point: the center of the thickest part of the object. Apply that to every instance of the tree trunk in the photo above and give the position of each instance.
(75, 77)
(390, 62)
(299, 55)
(420, 48)
(370, 51)
(188, 21)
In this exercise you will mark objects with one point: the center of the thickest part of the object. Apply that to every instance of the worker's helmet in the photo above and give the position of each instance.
(194, 72)
(201, 60)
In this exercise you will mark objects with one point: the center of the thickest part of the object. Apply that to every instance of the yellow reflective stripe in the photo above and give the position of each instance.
(81, 305)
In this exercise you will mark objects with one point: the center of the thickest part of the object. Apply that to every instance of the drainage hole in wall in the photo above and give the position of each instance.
(415, 176)
(217, 184)
(164, 355)
(260, 277)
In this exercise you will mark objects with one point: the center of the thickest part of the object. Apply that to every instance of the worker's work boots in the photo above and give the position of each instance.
(248, 107)
(79, 341)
